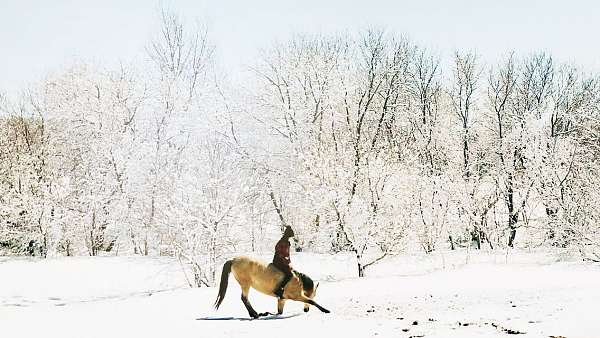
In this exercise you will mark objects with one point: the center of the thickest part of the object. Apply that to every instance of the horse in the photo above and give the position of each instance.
(252, 273)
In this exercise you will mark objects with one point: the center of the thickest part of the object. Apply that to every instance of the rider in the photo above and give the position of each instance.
(281, 260)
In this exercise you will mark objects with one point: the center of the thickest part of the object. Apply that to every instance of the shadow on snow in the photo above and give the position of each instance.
(271, 317)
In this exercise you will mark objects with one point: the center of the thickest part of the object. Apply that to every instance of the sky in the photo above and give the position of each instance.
(41, 36)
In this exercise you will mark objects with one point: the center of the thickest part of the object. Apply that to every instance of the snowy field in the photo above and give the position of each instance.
(458, 294)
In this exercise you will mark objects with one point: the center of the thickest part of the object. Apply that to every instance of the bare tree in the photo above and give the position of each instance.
(463, 96)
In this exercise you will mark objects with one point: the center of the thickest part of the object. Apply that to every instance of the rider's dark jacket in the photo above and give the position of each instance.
(282, 255)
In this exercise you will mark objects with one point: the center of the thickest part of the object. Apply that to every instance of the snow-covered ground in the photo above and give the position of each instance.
(459, 294)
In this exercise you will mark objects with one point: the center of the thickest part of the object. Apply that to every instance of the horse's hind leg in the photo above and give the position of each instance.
(251, 311)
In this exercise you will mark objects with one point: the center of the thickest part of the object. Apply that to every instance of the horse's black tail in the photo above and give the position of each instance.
(224, 282)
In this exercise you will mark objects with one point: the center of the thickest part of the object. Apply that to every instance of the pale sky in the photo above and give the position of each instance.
(45, 35)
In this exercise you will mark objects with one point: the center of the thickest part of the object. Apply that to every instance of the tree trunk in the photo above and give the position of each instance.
(197, 275)
(361, 269)
(93, 251)
(278, 210)
(466, 152)
(512, 216)
(475, 236)
(68, 248)
(44, 250)
(511, 237)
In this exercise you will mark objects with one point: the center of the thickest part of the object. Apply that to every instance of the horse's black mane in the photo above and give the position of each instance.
(307, 283)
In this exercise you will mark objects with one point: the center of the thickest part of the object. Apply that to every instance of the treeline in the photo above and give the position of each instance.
(363, 143)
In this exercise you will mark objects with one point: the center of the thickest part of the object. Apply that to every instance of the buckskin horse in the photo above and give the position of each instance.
(252, 273)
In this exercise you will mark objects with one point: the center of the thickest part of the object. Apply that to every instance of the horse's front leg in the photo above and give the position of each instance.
(280, 304)
(307, 300)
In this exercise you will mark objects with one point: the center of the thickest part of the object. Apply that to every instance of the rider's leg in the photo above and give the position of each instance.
(279, 289)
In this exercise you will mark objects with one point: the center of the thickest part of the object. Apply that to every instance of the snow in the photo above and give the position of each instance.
(452, 294)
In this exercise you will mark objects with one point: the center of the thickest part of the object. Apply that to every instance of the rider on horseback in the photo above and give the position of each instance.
(281, 260)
